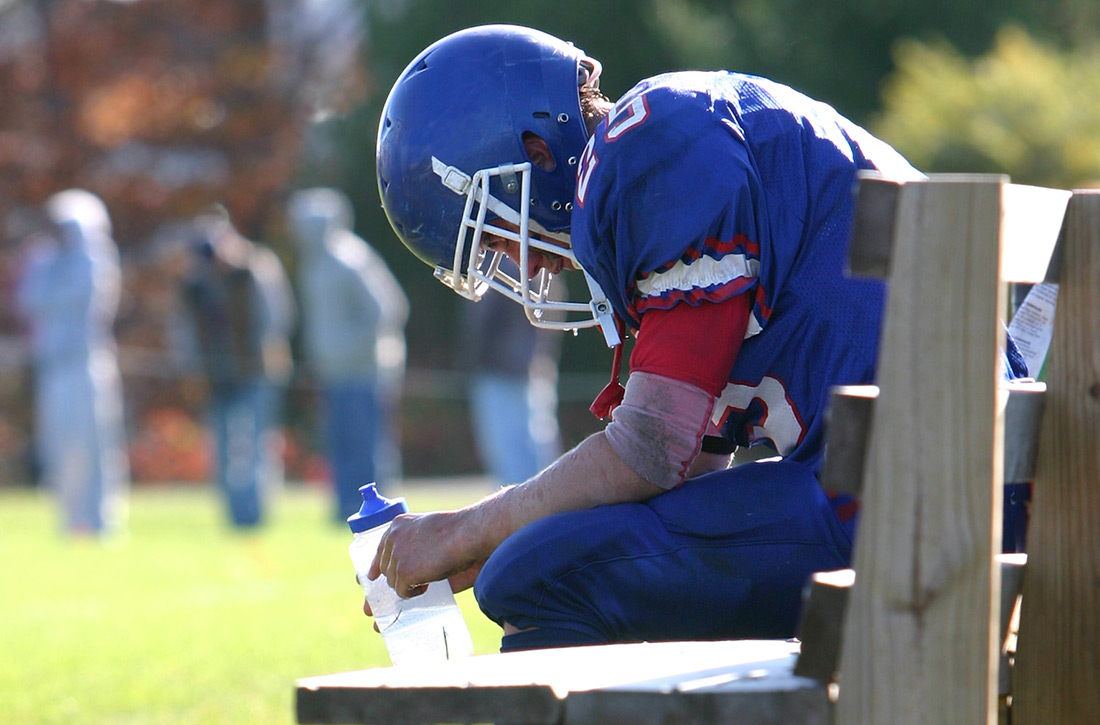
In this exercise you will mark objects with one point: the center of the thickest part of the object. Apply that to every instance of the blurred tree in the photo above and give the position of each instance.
(160, 109)
(1026, 108)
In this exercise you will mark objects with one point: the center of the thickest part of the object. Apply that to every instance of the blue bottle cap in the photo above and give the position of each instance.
(376, 510)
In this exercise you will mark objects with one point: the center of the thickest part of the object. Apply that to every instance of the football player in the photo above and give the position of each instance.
(709, 213)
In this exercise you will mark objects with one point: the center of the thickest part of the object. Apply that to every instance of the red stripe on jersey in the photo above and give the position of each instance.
(738, 243)
(765, 312)
(716, 248)
(696, 344)
(846, 506)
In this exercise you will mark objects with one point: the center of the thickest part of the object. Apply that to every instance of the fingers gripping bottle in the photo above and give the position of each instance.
(422, 629)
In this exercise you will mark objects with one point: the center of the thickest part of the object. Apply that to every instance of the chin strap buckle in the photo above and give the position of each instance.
(612, 394)
(603, 313)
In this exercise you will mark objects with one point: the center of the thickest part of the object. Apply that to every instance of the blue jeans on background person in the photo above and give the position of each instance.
(241, 418)
(81, 443)
(515, 426)
(354, 424)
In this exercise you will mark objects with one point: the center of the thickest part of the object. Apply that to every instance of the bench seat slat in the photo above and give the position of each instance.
(531, 687)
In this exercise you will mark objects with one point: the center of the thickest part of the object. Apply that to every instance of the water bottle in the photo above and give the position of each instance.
(426, 628)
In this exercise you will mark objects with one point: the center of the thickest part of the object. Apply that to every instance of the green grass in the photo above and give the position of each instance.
(182, 620)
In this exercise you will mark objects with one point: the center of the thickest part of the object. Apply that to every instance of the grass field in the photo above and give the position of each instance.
(183, 620)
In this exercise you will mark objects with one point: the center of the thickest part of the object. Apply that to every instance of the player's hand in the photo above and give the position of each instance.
(422, 548)
(459, 582)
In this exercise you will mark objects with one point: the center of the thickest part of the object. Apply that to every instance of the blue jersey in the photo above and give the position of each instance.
(701, 186)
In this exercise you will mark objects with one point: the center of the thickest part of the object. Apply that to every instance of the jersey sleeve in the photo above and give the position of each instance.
(674, 207)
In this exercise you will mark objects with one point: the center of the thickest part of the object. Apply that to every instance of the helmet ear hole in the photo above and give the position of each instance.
(538, 152)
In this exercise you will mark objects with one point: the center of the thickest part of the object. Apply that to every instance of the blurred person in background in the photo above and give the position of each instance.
(69, 295)
(354, 314)
(513, 368)
(239, 313)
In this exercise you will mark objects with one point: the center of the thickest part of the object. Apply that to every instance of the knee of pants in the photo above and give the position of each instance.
(521, 583)
(504, 585)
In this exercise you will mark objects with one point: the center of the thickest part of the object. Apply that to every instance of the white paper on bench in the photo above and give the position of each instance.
(654, 666)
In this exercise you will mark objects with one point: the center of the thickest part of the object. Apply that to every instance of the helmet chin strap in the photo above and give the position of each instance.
(612, 394)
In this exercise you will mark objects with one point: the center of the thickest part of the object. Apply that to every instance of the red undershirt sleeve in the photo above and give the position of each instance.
(680, 364)
(696, 345)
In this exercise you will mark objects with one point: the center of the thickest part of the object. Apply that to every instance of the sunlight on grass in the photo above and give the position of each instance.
(183, 620)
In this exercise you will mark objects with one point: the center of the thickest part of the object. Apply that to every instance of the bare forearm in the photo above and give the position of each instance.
(419, 548)
(589, 475)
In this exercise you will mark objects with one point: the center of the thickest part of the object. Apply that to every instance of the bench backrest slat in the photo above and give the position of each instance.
(920, 632)
(850, 411)
(1058, 655)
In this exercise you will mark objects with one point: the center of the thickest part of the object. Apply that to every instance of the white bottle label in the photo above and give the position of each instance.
(1033, 325)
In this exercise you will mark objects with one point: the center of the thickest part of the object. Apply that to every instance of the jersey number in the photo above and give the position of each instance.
(622, 118)
(779, 423)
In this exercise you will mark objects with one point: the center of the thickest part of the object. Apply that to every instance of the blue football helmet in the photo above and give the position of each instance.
(451, 163)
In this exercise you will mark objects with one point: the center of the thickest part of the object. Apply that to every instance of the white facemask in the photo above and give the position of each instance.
(483, 270)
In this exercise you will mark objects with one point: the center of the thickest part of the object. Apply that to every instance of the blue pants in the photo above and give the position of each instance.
(723, 556)
(352, 427)
(241, 417)
(81, 441)
(515, 421)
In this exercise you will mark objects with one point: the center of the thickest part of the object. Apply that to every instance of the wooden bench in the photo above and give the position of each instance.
(923, 633)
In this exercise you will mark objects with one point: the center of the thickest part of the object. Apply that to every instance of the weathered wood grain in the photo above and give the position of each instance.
(1058, 655)
(919, 639)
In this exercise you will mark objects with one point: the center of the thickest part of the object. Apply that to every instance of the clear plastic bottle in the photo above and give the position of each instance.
(426, 628)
